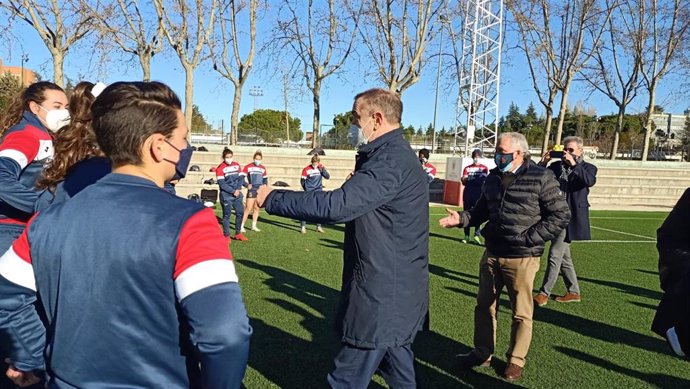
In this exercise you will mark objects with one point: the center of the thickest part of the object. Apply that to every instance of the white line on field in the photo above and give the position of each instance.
(591, 217)
(615, 241)
(624, 233)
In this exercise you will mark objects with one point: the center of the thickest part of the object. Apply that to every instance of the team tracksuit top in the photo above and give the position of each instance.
(312, 178)
(256, 176)
(24, 149)
(430, 171)
(230, 178)
(125, 294)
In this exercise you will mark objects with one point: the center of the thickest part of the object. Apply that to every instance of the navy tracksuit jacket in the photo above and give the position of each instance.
(119, 289)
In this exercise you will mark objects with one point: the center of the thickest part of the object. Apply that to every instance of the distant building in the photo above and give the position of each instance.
(670, 125)
(29, 77)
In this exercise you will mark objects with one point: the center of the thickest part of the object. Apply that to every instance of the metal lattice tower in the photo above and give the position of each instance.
(480, 78)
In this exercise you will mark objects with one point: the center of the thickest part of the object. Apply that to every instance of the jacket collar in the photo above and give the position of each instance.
(126, 179)
(380, 141)
(33, 120)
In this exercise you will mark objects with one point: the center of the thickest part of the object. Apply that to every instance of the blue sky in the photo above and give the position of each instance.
(213, 94)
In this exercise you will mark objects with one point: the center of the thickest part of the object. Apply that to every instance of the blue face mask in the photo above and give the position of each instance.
(182, 163)
(356, 137)
(504, 162)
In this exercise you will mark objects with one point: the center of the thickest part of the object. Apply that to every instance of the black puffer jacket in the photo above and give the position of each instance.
(523, 213)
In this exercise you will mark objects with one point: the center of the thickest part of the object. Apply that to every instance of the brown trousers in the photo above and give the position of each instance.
(517, 275)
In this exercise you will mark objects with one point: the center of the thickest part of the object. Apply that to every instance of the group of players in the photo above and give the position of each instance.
(232, 177)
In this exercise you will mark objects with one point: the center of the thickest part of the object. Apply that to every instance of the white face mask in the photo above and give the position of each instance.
(315, 165)
(476, 161)
(56, 118)
(228, 160)
(257, 162)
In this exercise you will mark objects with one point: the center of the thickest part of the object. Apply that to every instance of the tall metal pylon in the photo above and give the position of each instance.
(479, 87)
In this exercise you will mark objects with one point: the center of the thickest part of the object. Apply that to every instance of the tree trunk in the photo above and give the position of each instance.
(561, 113)
(188, 97)
(58, 61)
(234, 118)
(648, 123)
(547, 131)
(617, 133)
(145, 67)
(317, 113)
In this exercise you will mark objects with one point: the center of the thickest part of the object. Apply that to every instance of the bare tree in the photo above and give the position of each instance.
(60, 24)
(228, 61)
(616, 69)
(396, 34)
(554, 58)
(321, 45)
(665, 28)
(187, 31)
(133, 29)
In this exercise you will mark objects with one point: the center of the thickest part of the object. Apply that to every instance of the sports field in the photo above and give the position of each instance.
(291, 281)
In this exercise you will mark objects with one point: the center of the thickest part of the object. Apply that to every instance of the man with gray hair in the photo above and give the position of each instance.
(524, 208)
(575, 177)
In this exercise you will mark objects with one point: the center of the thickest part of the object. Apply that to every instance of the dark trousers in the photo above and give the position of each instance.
(674, 311)
(354, 367)
(228, 204)
(8, 234)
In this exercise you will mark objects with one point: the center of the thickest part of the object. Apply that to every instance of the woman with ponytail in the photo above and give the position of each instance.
(26, 144)
(78, 161)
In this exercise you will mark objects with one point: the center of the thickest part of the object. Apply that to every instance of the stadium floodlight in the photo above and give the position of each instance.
(478, 94)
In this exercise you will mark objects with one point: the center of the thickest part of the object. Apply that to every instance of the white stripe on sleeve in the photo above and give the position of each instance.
(204, 274)
(17, 270)
(16, 156)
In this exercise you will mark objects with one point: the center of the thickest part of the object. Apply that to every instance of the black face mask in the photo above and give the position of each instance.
(182, 163)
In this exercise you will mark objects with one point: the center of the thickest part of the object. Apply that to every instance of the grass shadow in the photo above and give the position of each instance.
(435, 351)
(282, 357)
(654, 273)
(453, 275)
(626, 288)
(332, 243)
(643, 305)
(294, 227)
(655, 379)
(600, 331)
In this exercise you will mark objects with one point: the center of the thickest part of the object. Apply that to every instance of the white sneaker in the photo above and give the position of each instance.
(242, 230)
(254, 228)
(319, 229)
(304, 230)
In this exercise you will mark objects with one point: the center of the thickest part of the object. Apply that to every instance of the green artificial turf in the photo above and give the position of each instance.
(290, 284)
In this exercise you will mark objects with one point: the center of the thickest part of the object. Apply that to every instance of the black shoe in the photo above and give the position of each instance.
(470, 360)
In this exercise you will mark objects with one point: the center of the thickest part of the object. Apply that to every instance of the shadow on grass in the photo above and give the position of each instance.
(630, 289)
(654, 379)
(285, 359)
(586, 327)
(291, 361)
(654, 273)
(332, 243)
(454, 239)
(643, 305)
(453, 275)
(598, 330)
(295, 226)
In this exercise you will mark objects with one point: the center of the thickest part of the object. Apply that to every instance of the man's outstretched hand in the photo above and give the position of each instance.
(452, 220)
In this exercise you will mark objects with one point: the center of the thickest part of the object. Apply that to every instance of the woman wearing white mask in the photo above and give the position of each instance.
(78, 161)
(26, 144)
(256, 177)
